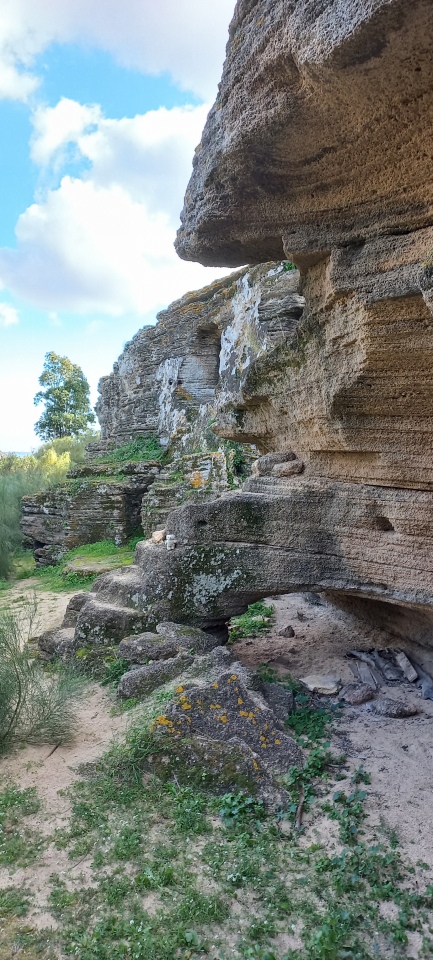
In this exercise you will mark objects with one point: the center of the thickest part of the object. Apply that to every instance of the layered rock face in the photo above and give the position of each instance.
(171, 378)
(169, 384)
(317, 150)
(86, 509)
(320, 135)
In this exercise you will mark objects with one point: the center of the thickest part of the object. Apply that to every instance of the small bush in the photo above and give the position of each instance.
(34, 706)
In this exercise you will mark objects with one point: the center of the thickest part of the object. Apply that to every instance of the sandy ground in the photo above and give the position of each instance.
(51, 773)
(50, 606)
(397, 753)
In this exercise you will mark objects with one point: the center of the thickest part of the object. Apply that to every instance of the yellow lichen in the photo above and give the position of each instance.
(197, 480)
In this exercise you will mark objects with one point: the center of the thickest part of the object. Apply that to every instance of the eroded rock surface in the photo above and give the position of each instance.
(317, 150)
(169, 384)
(98, 504)
(311, 141)
(172, 377)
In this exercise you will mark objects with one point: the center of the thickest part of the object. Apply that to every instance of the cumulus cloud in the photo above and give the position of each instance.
(148, 155)
(8, 315)
(185, 39)
(103, 242)
(55, 128)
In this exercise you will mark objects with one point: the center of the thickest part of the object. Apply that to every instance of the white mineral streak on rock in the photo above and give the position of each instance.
(208, 586)
(242, 340)
(170, 419)
(275, 270)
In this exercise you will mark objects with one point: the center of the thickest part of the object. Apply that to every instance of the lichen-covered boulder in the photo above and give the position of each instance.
(143, 680)
(226, 709)
(213, 765)
(188, 637)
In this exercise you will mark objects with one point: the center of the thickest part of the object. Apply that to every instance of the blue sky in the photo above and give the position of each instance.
(101, 107)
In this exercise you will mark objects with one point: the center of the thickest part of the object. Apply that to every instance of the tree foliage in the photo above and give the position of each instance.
(24, 476)
(65, 393)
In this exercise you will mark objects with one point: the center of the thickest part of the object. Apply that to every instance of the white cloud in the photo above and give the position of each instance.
(8, 315)
(56, 127)
(185, 39)
(149, 155)
(104, 242)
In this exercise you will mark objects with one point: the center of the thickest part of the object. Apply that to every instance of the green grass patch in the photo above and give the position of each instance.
(19, 846)
(179, 874)
(259, 618)
(142, 448)
(57, 578)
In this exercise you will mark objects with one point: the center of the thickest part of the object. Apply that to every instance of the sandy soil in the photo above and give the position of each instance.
(397, 753)
(51, 773)
(50, 606)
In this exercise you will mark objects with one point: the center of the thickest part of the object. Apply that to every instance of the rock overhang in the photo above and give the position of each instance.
(320, 134)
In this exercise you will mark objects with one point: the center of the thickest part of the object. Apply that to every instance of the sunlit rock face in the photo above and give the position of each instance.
(320, 135)
(317, 151)
(172, 378)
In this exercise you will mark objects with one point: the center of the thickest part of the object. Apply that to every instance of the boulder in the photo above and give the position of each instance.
(143, 680)
(226, 709)
(220, 767)
(187, 637)
(145, 647)
(279, 699)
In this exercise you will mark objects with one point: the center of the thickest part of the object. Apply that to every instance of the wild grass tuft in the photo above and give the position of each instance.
(258, 618)
(35, 707)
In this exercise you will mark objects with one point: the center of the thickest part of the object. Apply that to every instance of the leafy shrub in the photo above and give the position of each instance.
(35, 707)
(25, 476)
(75, 447)
(238, 808)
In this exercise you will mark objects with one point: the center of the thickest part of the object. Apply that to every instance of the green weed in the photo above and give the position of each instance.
(18, 846)
(142, 448)
(258, 618)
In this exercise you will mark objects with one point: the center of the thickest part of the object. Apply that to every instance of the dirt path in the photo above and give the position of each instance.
(51, 773)
(50, 606)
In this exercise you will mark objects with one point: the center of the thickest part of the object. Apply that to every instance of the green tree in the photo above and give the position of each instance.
(65, 394)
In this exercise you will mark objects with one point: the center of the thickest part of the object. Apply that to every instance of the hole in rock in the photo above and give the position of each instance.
(382, 523)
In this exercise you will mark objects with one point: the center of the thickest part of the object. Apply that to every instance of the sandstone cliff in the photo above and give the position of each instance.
(317, 150)
(172, 378)
(168, 386)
